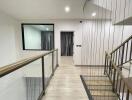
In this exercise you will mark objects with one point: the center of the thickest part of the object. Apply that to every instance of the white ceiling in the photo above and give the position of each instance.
(101, 13)
(46, 9)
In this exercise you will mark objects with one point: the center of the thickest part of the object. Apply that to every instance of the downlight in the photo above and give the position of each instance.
(93, 14)
(67, 9)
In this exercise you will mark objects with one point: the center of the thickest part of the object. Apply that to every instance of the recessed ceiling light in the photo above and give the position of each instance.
(94, 14)
(67, 9)
(47, 29)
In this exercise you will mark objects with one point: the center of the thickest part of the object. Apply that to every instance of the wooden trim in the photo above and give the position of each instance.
(14, 66)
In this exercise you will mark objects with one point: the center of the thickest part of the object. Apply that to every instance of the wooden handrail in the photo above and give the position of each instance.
(122, 44)
(120, 73)
(14, 66)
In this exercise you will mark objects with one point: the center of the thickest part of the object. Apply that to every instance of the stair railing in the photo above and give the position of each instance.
(123, 53)
(115, 65)
(120, 85)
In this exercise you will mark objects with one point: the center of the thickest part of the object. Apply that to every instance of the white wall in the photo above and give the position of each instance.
(95, 42)
(7, 40)
(119, 33)
(83, 35)
(81, 56)
(108, 33)
(12, 86)
(60, 25)
(123, 10)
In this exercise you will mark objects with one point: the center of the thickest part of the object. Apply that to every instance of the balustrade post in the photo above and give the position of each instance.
(122, 57)
(113, 84)
(105, 64)
(127, 96)
(52, 63)
(43, 75)
(57, 63)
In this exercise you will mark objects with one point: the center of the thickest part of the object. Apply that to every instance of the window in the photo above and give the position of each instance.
(38, 36)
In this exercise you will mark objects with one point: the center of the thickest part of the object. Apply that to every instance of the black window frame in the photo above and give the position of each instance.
(23, 39)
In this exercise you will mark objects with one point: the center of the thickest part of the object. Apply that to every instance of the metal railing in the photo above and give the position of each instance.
(120, 84)
(123, 53)
(40, 74)
(115, 65)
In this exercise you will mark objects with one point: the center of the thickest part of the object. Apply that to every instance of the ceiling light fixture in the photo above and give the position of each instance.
(94, 14)
(67, 9)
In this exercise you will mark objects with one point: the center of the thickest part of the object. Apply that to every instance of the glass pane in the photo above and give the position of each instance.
(48, 68)
(22, 84)
(38, 37)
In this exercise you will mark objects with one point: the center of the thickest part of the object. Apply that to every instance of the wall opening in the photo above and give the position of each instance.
(67, 43)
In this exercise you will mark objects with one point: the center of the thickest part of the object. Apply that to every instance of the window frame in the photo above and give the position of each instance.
(23, 39)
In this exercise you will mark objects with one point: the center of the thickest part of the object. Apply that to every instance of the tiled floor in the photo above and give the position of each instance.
(66, 84)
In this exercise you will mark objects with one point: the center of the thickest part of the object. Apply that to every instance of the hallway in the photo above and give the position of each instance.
(66, 85)
(66, 50)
